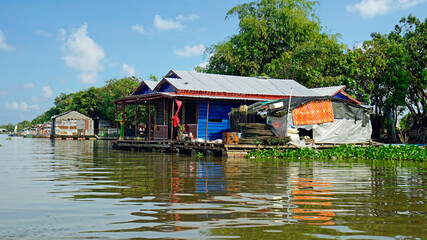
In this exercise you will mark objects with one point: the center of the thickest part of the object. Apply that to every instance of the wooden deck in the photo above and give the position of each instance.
(217, 148)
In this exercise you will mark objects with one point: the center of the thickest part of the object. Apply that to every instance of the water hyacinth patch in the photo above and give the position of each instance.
(385, 152)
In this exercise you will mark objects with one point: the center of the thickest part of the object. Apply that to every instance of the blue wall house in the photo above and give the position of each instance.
(201, 102)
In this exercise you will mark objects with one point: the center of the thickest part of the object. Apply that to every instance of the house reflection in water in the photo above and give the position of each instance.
(314, 201)
(210, 179)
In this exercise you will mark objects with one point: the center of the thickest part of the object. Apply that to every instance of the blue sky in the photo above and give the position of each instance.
(51, 47)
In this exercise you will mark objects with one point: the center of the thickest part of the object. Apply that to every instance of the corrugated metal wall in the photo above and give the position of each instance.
(74, 128)
(218, 118)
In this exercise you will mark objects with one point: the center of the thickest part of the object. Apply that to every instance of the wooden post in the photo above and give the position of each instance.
(136, 122)
(197, 120)
(172, 123)
(122, 123)
(183, 111)
(207, 120)
(149, 120)
(117, 123)
(164, 118)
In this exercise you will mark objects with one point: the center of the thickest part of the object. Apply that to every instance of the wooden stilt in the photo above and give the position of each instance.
(207, 120)
(149, 120)
(172, 123)
(164, 118)
(136, 121)
(117, 123)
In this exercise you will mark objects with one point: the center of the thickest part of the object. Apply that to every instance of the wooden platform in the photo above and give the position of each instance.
(217, 148)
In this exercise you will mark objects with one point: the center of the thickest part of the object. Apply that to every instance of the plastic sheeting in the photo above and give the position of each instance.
(278, 125)
(342, 131)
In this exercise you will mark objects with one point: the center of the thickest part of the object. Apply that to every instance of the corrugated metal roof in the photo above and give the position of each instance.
(71, 115)
(151, 84)
(328, 91)
(236, 84)
(212, 97)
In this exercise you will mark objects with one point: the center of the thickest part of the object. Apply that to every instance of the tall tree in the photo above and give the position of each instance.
(315, 63)
(391, 70)
(267, 29)
(412, 34)
(114, 89)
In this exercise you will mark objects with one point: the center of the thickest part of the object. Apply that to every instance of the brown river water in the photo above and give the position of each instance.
(74, 189)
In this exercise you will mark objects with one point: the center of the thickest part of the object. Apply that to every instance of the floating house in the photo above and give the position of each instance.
(72, 124)
(200, 102)
(42, 130)
(321, 119)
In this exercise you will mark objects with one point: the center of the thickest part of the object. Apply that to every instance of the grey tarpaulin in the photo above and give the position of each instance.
(343, 110)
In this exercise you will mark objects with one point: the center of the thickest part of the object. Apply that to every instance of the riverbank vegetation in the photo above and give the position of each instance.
(386, 152)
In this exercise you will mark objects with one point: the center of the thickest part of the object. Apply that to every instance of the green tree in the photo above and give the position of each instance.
(9, 126)
(115, 88)
(391, 70)
(412, 34)
(267, 30)
(315, 63)
(24, 124)
(153, 78)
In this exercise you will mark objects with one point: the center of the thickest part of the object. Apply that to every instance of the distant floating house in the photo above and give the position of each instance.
(72, 124)
(201, 102)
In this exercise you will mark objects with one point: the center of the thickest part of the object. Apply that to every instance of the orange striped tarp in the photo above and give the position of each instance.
(319, 111)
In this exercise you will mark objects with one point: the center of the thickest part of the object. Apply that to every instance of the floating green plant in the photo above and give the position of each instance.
(386, 152)
(200, 154)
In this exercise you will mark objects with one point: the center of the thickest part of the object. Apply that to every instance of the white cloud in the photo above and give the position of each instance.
(3, 45)
(82, 53)
(45, 95)
(190, 51)
(47, 92)
(138, 28)
(372, 8)
(166, 24)
(169, 24)
(129, 71)
(21, 106)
